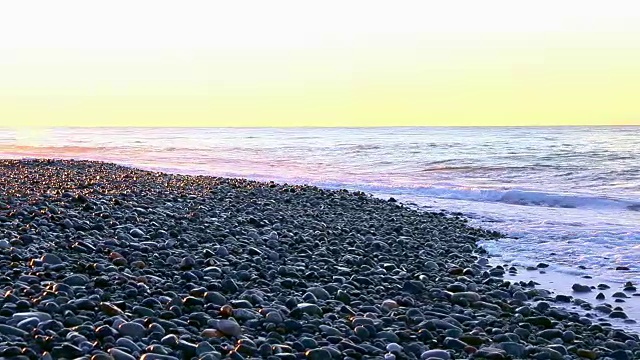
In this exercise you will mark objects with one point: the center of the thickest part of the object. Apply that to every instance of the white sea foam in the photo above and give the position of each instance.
(511, 196)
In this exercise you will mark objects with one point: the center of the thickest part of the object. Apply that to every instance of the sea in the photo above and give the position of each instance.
(565, 196)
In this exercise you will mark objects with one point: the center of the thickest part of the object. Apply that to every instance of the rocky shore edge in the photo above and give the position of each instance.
(100, 261)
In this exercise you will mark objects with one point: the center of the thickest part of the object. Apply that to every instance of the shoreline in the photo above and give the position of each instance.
(242, 268)
(596, 303)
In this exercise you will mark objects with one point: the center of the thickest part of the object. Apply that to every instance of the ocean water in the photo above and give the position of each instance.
(566, 196)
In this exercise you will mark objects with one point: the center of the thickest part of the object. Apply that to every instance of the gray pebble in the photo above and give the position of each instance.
(318, 354)
(579, 288)
(320, 293)
(76, 280)
(10, 330)
(132, 329)
(228, 327)
(514, 349)
(120, 355)
(40, 316)
(439, 354)
(136, 233)
(126, 343)
(149, 356)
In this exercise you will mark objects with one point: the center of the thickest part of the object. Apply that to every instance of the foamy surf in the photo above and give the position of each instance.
(508, 196)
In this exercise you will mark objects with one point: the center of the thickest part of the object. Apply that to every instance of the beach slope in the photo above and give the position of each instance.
(102, 261)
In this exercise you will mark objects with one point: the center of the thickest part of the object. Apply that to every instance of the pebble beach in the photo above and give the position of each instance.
(100, 261)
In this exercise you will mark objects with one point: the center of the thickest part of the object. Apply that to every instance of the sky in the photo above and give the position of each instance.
(325, 63)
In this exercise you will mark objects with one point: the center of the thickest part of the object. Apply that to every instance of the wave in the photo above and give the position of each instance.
(49, 149)
(475, 168)
(507, 196)
(100, 153)
(172, 158)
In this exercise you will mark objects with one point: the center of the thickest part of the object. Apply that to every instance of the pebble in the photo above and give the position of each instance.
(40, 316)
(309, 309)
(228, 327)
(388, 335)
(451, 343)
(76, 280)
(513, 349)
(132, 329)
(10, 330)
(136, 233)
(579, 288)
(28, 324)
(215, 297)
(585, 353)
(465, 295)
(550, 334)
(318, 354)
(618, 315)
(393, 347)
(274, 317)
(361, 332)
(128, 344)
(438, 354)
(66, 350)
(551, 353)
(120, 355)
(150, 356)
(320, 293)
(389, 304)
(330, 331)
(491, 353)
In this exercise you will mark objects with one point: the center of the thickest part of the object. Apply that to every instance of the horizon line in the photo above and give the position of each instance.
(313, 127)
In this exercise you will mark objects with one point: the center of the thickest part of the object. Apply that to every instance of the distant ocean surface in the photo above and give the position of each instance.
(566, 196)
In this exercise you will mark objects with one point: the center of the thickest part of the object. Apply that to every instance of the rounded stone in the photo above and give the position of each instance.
(132, 329)
(228, 327)
(76, 280)
(438, 354)
(318, 354)
(393, 347)
(120, 355)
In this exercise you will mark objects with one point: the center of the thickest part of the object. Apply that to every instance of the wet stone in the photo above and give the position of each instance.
(228, 327)
(451, 343)
(550, 334)
(619, 294)
(438, 354)
(40, 316)
(132, 329)
(151, 356)
(76, 280)
(120, 355)
(10, 330)
(136, 233)
(51, 259)
(618, 315)
(579, 288)
(513, 349)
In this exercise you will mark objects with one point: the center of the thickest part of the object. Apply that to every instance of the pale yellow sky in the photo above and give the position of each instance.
(330, 63)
